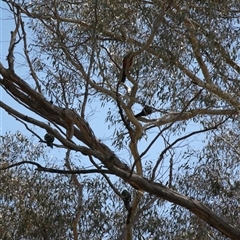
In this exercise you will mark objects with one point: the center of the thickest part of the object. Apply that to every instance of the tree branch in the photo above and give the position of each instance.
(52, 170)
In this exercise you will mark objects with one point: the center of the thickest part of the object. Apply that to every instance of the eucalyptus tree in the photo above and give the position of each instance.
(169, 131)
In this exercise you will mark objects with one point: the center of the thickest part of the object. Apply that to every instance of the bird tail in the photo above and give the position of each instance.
(139, 114)
(50, 144)
(127, 204)
(123, 79)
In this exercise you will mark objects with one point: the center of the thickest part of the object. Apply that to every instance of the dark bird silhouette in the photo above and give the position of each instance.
(126, 196)
(126, 65)
(49, 138)
(147, 110)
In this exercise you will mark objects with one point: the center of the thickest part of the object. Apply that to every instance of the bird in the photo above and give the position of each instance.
(49, 138)
(126, 196)
(127, 65)
(147, 110)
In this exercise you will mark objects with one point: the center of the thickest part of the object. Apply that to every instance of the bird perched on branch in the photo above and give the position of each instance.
(49, 138)
(147, 110)
(126, 65)
(126, 196)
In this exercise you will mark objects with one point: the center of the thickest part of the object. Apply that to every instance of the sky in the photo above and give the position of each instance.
(7, 122)
(5, 26)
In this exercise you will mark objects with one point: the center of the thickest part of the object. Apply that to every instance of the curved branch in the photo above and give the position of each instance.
(13, 42)
(176, 117)
(33, 74)
(52, 170)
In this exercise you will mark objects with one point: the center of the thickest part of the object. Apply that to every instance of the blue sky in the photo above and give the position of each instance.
(5, 25)
(8, 123)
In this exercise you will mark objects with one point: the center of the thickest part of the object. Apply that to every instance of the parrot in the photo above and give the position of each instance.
(49, 138)
(126, 65)
(126, 196)
(147, 110)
